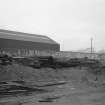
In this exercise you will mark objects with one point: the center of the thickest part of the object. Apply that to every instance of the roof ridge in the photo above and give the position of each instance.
(29, 36)
(18, 32)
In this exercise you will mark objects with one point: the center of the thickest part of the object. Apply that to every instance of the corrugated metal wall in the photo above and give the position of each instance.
(17, 47)
(9, 43)
(25, 52)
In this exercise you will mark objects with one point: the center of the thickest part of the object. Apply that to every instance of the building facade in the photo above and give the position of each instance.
(18, 43)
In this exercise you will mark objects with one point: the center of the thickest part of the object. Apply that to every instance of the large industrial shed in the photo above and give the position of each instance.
(19, 42)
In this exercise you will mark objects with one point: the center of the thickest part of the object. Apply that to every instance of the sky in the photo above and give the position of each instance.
(69, 22)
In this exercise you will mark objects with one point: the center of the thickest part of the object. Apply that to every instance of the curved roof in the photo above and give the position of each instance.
(25, 37)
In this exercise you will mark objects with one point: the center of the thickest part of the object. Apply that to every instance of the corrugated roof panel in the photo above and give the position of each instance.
(25, 36)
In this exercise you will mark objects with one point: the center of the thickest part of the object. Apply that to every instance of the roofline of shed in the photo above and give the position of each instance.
(18, 32)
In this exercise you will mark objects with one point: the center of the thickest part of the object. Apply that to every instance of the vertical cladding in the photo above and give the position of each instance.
(18, 44)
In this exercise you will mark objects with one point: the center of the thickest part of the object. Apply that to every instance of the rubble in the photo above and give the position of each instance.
(76, 62)
(49, 61)
(28, 61)
(5, 60)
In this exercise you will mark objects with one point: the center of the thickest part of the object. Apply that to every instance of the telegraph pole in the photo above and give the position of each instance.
(91, 45)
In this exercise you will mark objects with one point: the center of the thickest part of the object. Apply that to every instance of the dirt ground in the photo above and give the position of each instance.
(71, 93)
(79, 87)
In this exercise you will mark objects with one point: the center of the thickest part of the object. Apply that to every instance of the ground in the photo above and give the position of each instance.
(68, 86)
(67, 94)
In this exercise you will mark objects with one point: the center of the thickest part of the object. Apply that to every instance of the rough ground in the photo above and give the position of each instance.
(68, 94)
(70, 86)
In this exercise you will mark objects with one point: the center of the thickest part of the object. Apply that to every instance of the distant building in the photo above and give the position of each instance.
(87, 50)
(24, 43)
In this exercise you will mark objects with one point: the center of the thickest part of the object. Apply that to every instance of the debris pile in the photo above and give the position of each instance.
(77, 62)
(49, 61)
(5, 60)
(28, 61)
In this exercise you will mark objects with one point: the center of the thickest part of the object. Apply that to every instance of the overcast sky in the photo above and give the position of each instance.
(69, 22)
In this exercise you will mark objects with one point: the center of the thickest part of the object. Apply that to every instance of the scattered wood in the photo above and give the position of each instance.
(50, 99)
(16, 89)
